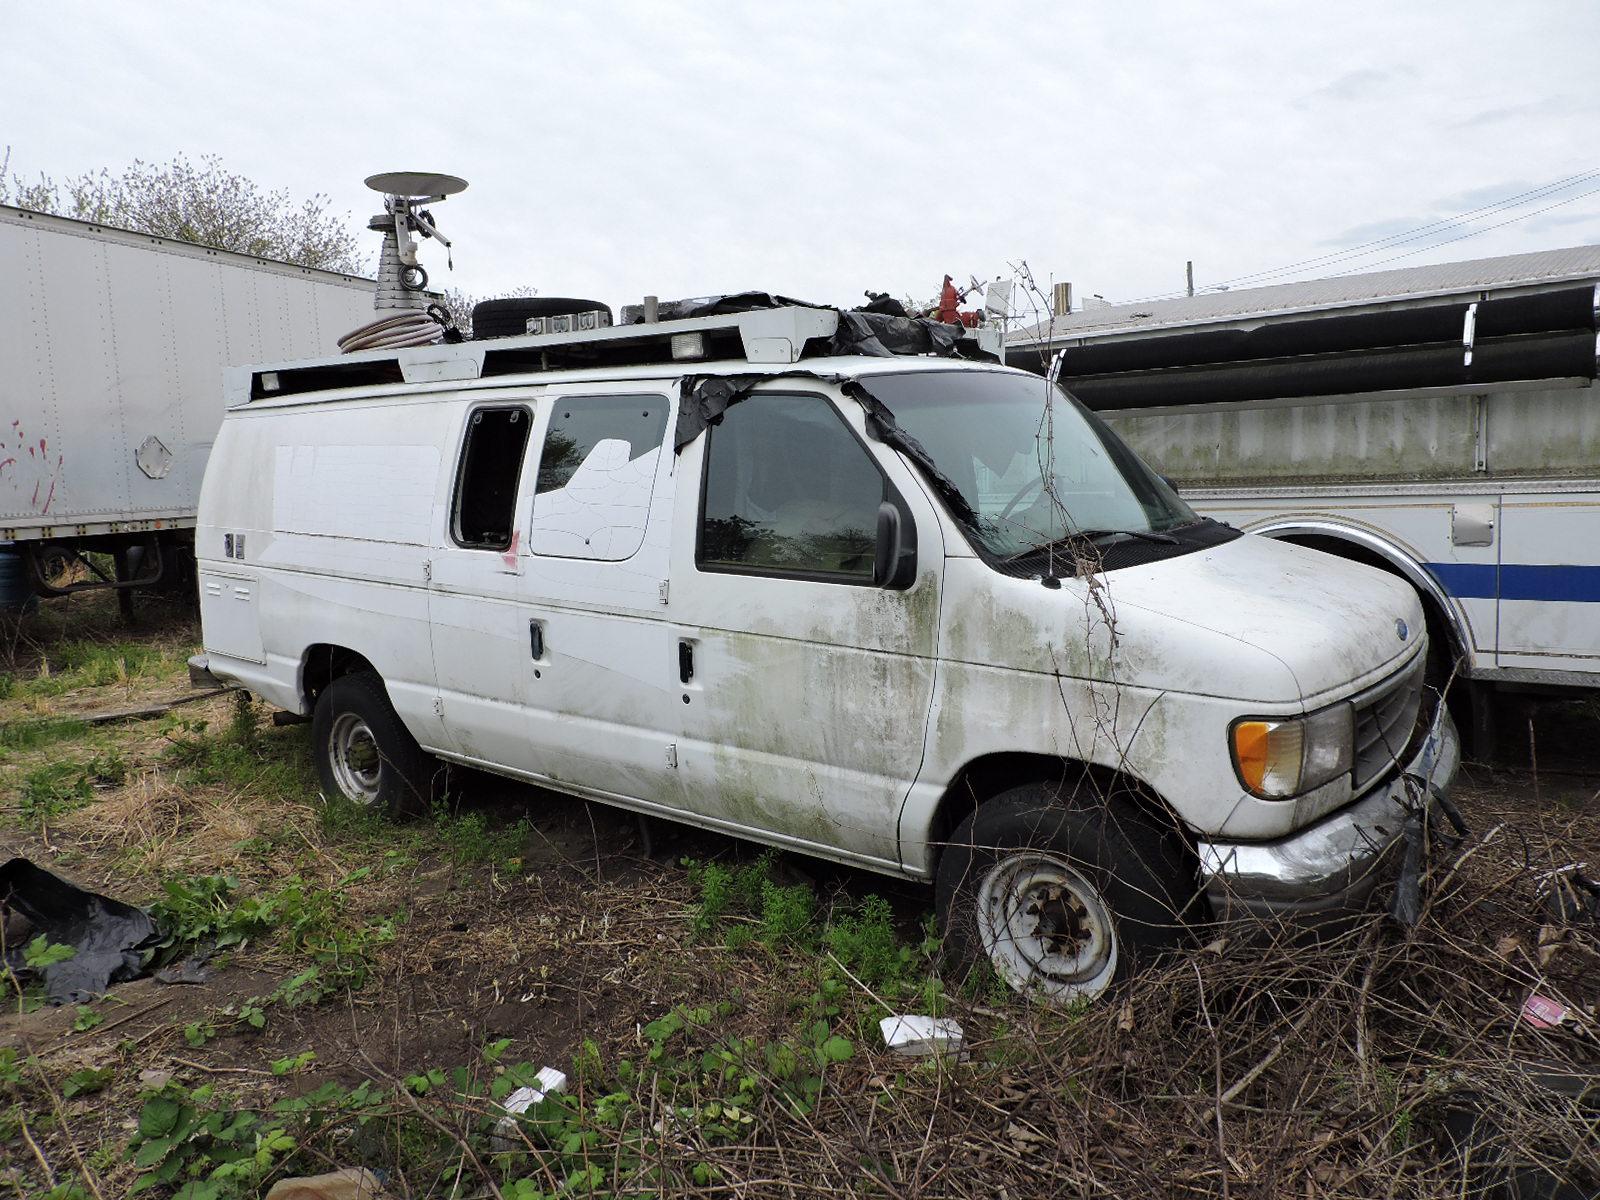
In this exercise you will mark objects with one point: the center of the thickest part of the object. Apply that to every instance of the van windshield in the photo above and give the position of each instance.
(1034, 465)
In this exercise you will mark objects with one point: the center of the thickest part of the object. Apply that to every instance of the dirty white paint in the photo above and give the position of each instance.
(1394, 475)
(818, 715)
(361, 493)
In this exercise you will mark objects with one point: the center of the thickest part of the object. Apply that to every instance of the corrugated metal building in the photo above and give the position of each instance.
(1370, 292)
(1456, 325)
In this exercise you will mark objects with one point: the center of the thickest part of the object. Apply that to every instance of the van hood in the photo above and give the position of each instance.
(1330, 622)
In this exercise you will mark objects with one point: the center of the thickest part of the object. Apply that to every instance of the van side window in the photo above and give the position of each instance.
(789, 490)
(597, 472)
(486, 483)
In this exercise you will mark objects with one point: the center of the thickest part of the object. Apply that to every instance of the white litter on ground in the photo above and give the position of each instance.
(919, 1036)
(520, 1101)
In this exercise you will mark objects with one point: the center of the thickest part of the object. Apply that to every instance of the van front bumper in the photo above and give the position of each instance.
(1329, 870)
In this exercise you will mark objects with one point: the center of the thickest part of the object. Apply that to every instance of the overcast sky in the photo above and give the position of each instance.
(819, 149)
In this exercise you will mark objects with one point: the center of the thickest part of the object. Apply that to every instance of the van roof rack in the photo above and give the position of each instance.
(779, 336)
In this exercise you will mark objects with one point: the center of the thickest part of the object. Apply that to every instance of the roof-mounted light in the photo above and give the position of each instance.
(688, 345)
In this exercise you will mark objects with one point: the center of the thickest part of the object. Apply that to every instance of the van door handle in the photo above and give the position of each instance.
(685, 662)
(536, 639)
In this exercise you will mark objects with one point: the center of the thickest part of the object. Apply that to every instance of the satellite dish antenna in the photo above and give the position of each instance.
(404, 192)
(416, 185)
(405, 316)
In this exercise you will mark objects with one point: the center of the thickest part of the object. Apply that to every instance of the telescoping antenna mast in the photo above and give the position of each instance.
(405, 317)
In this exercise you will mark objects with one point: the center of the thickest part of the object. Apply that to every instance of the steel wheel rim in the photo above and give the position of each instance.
(1045, 927)
(353, 755)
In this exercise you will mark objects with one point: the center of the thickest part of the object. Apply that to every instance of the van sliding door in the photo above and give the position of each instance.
(474, 599)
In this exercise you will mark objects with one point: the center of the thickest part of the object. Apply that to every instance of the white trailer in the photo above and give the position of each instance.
(111, 369)
(1440, 422)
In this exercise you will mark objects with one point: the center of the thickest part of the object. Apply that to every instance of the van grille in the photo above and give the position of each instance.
(1386, 717)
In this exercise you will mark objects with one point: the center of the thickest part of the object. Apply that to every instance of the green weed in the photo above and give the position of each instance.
(203, 908)
(56, 788)
(310, 920)
(866, 942)
(471, 837)
(86, 1082)
(610, 1134)
(86, 1019)
(242, 757)
(748, 906)
(33, 734)
(781, 914)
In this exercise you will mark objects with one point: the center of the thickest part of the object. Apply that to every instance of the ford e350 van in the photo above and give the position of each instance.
(917, 613)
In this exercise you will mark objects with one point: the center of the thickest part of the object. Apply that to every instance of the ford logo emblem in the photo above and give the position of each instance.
(1400, 629)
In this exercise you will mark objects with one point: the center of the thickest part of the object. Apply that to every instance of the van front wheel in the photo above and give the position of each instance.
(1061, 902)
(365, 755)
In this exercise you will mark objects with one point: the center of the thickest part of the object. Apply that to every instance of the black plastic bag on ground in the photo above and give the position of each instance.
(106, 935)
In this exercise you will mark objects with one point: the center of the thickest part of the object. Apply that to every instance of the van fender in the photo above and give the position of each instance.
(1402, 560)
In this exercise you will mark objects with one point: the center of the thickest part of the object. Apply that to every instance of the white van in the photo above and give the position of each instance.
(923, 615)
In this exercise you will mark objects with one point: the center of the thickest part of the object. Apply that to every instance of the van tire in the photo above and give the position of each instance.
(365, 755)
(1104, 880)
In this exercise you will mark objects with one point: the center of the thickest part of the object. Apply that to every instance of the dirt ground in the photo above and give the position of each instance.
(564, 929)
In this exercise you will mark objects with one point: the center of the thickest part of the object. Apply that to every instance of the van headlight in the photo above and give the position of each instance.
(1278, 758)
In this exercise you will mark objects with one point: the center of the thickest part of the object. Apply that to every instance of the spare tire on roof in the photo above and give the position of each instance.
(509, 317)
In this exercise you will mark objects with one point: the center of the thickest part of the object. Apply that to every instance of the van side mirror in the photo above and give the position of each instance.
(894, 563)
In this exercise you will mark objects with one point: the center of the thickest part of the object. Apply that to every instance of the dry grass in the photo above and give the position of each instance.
(1330, 1071)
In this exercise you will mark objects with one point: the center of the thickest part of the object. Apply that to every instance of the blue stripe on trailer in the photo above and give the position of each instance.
(1512, 581)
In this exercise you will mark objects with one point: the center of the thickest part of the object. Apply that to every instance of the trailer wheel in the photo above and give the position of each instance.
(365, 755)
(1062, 902)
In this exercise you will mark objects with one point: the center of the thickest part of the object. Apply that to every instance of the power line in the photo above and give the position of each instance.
(1365, 249)
(1472, 233)
(1394, 239)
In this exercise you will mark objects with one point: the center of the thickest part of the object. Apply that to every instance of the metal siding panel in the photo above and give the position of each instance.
(27, 401)
(242, 342)
(81, 471)
(1429, 437)
(115, 336)
(137, 284)
(273, 303)
(1544, 433)
(198, 323)
(1550, 617)
(339, 310)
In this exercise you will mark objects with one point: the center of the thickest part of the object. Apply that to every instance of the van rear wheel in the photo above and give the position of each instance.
(365, 755)
(1060, 901)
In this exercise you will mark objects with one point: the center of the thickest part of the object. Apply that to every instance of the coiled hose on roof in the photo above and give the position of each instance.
(395, 330)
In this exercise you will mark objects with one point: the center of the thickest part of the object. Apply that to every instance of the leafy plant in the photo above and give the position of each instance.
(204, 1153)
(86, 1081)
(866, 942)
(294, 1064)
(11, 1063)
(42, 952)
(204, 908)
(200, 202)
(86, 1019)
(59, 787)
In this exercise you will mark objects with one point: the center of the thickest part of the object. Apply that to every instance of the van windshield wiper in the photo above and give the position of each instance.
(1094, 537)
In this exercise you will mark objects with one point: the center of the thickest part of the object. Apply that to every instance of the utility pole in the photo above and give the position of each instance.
(1189, 271)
